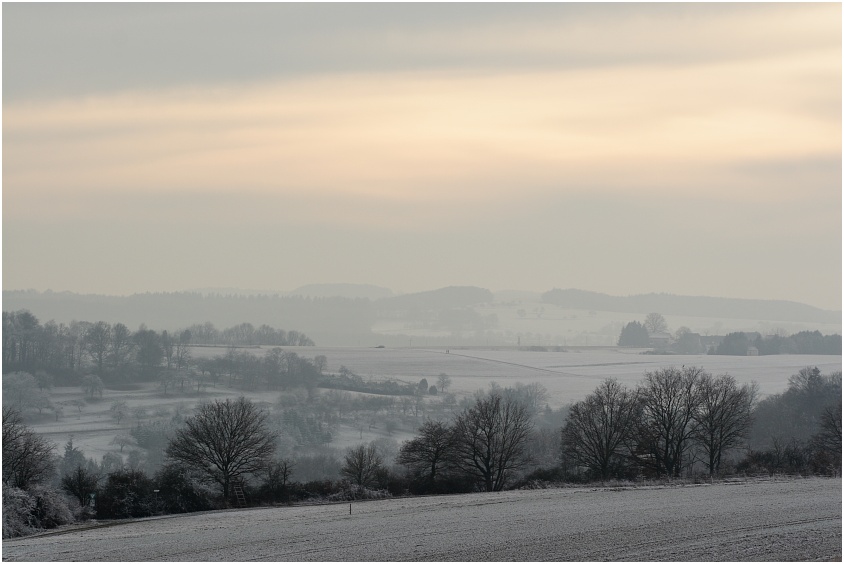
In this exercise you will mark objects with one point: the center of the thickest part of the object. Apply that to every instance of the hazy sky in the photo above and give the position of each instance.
(682, 148)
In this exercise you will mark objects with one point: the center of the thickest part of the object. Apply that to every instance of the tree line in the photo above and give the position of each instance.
(676, 422)
(739, 343)
(115, 352)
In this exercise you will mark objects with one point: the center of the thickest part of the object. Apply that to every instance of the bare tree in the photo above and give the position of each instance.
(120, 349)
(428, 453)
(97, 340)
(443, 381)
(669, 401)
(92, 385)
(321, 362)
(828, 439)
(122, 441)
(80, 483)
(20, 390)
(27, 456)
(278, 476)
(361, 464)
(119, 410)
(533, 395)
(183, 349)
(655, 323)
(599, 428)
(724, 416)
(43, 380)
(224, 440)
(490, 439)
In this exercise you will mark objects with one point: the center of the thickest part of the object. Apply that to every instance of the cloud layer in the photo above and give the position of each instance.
(456, 121)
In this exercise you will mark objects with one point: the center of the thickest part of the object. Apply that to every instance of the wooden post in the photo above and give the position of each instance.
(350, 509)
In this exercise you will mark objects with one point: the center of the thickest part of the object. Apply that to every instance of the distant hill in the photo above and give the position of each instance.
(367, 291)
(444, 298)
(694, 306)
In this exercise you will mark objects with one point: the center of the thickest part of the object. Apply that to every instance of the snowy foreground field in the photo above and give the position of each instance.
(755, 520)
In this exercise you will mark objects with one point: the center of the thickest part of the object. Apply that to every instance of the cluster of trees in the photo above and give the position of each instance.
(798, 430)
(276, 369)
(636, 334)
(684, 341)
(245, 335)
(114, 353)
(677, 418)
(347, 379)
(804, 342)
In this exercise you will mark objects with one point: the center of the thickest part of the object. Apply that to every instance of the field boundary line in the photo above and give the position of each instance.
(496, 361)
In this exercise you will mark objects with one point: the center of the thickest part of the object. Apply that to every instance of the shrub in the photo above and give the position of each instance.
(17, 512)
(182, 491)
(127, 493)
(313, 490)
(353, 492)
(51, 507)
(25, 512)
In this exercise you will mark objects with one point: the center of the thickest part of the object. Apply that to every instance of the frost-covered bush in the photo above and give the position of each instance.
(182, 490)
(41, 507)
(353, 492)
(313, 490)
(51, 507)
(82, 512)
(17, 512)
(126, 493)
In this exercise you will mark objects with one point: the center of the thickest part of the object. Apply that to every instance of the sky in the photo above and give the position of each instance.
(691, 149)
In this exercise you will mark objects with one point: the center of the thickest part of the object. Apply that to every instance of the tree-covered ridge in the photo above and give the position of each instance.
(804, 342)
(692, 306)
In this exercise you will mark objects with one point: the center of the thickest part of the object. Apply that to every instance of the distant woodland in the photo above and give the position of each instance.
(698, 306)
(112, 352)
(348, 317)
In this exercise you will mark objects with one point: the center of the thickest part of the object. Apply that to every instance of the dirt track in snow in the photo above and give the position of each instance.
(756, 520)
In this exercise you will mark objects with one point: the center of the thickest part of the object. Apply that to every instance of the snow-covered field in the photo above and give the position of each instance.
(568, 376)
(796, 519)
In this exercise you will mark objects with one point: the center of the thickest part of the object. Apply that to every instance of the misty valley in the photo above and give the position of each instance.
(103, 422)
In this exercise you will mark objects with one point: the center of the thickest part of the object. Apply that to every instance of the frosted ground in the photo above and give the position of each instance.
(796, 519)
(568, 376)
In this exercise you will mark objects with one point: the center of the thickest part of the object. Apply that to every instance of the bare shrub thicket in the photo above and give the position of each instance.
(27, 456)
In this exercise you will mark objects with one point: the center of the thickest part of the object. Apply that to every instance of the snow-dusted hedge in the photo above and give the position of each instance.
(41, 507)
(17, 512)
(353, 492)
